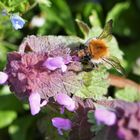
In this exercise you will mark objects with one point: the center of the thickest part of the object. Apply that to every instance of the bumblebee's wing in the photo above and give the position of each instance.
(114, 62)
(107, 31)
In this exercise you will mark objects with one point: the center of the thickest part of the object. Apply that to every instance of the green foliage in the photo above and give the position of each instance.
(125, 24)
(59, 13)
(136, 68)
(95, 84)
(94, 19)
(128, 94)
(59, 16)
(114, 49)
(10, 102)
(95, 128)
(131, 54)
(83, 27)
(6, 117)
(18, 130)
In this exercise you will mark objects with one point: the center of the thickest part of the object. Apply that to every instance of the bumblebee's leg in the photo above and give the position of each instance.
(96, 66)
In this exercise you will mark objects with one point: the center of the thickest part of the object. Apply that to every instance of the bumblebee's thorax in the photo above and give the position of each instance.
(97, 49)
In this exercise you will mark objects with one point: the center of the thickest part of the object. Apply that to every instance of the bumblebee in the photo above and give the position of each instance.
(95, 51)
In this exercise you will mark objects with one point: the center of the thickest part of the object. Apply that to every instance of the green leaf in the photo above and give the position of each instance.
(46, 2)
(125, 24)
(47, 43)
(131, 54)
(94, 32)
(7, 117)
(136, 68)
(128, 94)
(95, 84)
(94, 19)
(95, 128)
(59, 13)
(90, 7)
(83, 27)
(10, 102)
(115, 13)
(91, 118)
(20, 128)
(106, 133)
(114, 49)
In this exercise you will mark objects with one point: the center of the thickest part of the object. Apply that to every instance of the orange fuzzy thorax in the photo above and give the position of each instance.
(98, 49)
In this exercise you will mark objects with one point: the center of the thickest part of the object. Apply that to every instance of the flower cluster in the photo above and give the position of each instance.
(128, 120)
(32, 75)
(125, 118)
(42, 77)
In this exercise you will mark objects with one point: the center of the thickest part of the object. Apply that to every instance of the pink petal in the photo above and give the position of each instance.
(68, 59)
(66, 101)
(64, 68)
(60, 131)
(34, 102)
(43, 103)
(53, 63)
(61, 123)
(105, 116)
(3, 77)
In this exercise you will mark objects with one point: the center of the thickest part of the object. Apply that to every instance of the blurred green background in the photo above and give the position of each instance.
(57, 17)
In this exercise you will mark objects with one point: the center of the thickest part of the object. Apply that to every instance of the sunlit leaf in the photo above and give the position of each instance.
(20, 128)
(83, 26)
(128, 94)
(94, 19)
(7, 117)
(95, 84)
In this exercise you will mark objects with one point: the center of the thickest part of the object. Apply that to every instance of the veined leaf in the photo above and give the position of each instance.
(83, 27)
(128, 94)
(95, 84)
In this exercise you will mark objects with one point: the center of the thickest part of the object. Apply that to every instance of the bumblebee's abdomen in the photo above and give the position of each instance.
(98, 48)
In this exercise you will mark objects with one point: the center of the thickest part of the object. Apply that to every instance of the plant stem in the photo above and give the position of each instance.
(122, 82)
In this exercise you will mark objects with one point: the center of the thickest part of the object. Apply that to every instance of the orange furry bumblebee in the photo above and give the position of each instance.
(95, 50)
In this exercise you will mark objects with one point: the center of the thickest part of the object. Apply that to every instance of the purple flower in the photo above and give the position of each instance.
(3, 77)
(34, 101)
(17, 21)
(66, 101)
(29, 79)
(128, 122)
(61, 124)
(105, 116)
(53, 63)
